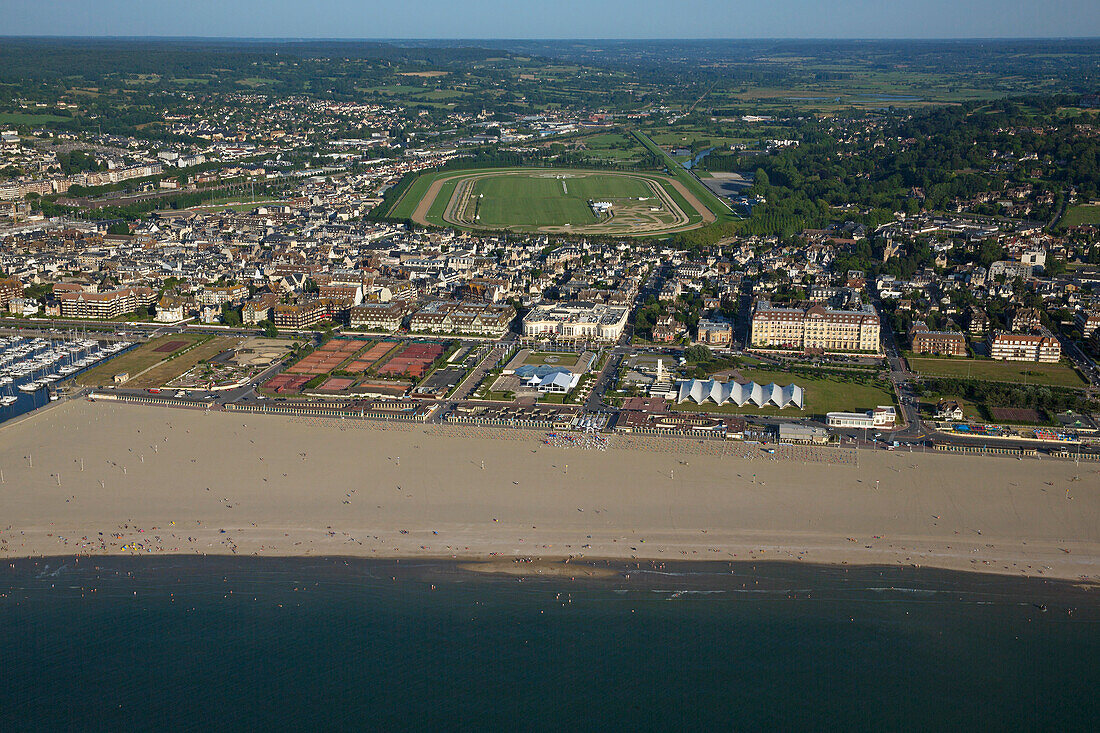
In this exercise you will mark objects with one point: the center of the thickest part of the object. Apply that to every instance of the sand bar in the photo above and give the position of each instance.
(162, 480)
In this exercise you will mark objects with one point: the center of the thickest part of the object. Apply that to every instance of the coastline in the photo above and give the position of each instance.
(178, 482)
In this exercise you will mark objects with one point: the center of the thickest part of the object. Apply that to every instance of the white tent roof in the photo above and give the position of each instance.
(738, 393)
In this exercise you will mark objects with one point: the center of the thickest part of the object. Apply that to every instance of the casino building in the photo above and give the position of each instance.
(576, 320)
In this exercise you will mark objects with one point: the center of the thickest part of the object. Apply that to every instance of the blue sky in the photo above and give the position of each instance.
(554, 18)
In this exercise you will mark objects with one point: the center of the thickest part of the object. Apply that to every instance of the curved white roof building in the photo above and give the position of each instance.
(700, 391)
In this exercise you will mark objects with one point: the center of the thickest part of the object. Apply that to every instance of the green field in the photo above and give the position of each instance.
(539, 201)
(404, 206)
(822, 395)
(1081, 214)
(21, 118)
(137, 361)
(1015, 372)
(539, 358)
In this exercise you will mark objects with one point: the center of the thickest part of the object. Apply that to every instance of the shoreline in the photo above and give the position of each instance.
(158, 481)
(659, 580)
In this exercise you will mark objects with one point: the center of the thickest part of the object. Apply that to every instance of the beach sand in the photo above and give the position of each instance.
(161, 480)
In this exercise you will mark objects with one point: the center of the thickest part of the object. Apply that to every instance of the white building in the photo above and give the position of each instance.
(701, 391)
(1042, 346)
(881, 417)
(581, 320)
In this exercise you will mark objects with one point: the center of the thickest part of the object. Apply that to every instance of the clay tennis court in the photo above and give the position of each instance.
(284, 383)
(414, 360)
(369, 357)
(170, 346)
(336, 384)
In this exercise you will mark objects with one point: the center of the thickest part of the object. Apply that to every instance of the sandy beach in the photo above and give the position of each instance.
(84, 478)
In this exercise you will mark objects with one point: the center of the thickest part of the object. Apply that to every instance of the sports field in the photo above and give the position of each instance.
(553, 202)
(1017, 372)
(1081, 214)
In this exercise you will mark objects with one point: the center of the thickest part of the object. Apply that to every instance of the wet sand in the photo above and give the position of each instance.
(161, 480)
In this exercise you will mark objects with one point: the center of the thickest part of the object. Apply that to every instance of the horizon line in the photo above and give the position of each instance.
(391, 39)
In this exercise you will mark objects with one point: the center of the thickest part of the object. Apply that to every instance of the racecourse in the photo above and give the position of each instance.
(541, 200)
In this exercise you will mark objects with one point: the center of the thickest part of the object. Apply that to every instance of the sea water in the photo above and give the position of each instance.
(341, 644)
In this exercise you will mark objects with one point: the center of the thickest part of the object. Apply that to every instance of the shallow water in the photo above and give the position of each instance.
(201, 643)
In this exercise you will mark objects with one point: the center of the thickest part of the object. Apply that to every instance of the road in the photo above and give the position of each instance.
(902, 381)
(473, 379)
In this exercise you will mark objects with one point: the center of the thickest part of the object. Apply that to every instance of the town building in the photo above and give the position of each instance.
(222, 294)
(1089, 322)
(715, 332)
(374, 316)
(10, 287)
(171, 309)
(949, 410)
(1026, 319)
(1009, 270)
(942, 343)
(110, 304)
(259, 308)
(814, 328)
(1041, 346)
(667, 329)
(798, 433)
(354, 293)
(701, 391)
(459, 317)
(299, 315)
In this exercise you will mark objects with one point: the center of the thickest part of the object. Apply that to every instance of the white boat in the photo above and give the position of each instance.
(30, 387)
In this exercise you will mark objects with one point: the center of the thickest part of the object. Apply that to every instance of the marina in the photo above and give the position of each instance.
(31, 367)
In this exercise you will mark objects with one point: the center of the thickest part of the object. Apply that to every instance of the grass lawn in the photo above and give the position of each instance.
(1081, 214)
(542, 200)
(162, 374)
(136, 360)
(520, 198)
(538, 358)
(823, 394)
(1016, 372)
(146, 356)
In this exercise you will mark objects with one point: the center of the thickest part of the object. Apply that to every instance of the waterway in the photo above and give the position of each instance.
(689, 164)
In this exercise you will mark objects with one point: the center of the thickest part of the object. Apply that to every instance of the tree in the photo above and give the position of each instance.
(119, 227)
(269, 330)
(698, 353)
(230, 315)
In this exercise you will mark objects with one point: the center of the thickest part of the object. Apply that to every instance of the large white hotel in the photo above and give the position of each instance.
(815, 327)
(576, 320)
